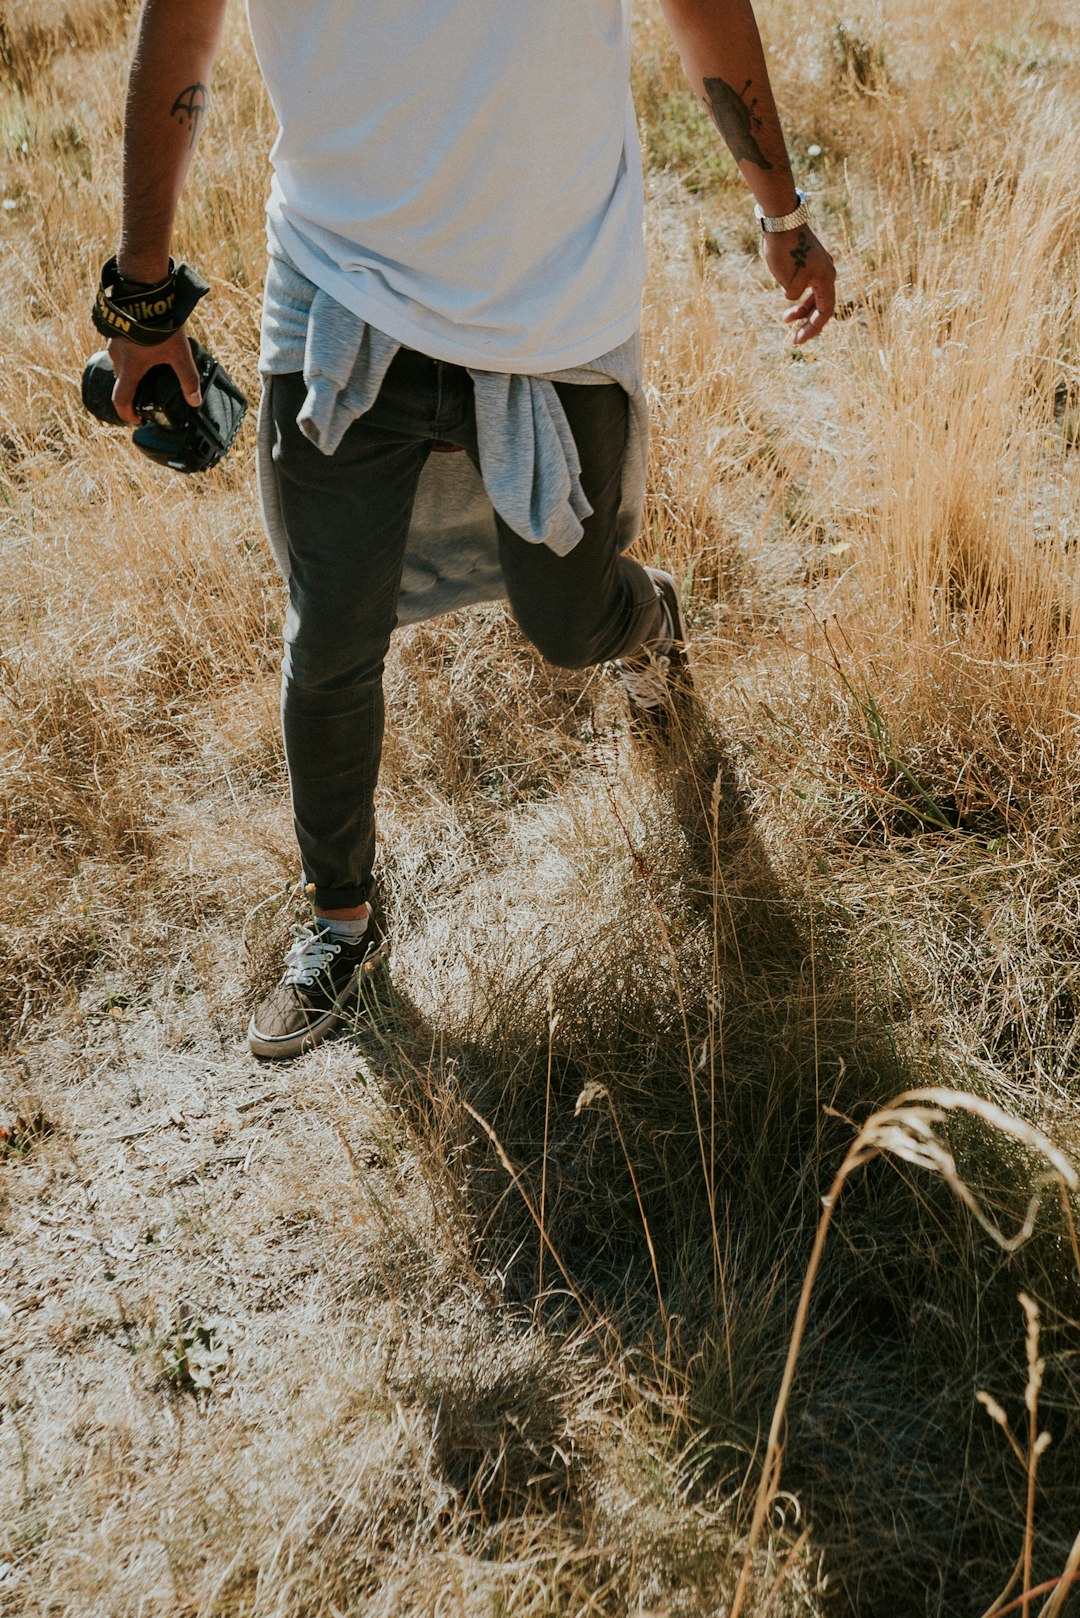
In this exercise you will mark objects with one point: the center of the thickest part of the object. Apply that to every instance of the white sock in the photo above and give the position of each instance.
(347, 932)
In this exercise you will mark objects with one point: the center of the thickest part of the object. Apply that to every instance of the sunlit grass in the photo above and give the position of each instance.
(545, 1229)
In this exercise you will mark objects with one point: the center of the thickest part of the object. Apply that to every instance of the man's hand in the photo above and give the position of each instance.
(167, 102)
(721, 50)
(131, 361)
(799, 263)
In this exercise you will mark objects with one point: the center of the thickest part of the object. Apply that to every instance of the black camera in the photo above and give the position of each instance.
(172, 432)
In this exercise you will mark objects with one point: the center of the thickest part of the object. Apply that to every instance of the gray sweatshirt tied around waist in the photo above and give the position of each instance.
(529, 467)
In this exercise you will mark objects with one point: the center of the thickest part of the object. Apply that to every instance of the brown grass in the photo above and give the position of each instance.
(487, 1310)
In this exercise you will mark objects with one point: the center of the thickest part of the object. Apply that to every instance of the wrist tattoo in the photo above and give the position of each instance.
(191, 104)
(801, 251)
(736, 120)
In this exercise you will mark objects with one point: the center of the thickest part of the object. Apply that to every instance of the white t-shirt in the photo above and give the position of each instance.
(463, 174)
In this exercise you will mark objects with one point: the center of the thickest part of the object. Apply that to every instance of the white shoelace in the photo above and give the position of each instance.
(310, 953)
(645, 679)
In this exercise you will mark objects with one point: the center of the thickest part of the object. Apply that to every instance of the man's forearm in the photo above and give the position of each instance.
(167, 101)
(721, 51)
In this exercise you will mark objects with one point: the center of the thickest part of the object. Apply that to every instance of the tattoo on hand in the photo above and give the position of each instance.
(736, 120)
(191, 104)
(801, 251)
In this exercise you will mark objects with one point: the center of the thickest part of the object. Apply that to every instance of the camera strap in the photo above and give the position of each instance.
(147, 315)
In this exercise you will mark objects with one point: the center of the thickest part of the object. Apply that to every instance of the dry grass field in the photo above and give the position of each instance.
(486, 1310)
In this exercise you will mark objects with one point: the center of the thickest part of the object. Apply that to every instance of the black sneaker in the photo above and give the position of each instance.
(655, 676)
(319, 989)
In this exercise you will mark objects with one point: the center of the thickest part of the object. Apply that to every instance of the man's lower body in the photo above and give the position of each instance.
(346, 519)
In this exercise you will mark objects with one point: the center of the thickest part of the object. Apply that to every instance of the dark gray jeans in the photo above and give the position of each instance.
(346, 518)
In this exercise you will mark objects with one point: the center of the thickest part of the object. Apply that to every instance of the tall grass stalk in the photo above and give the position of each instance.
(905, 1129)
(1064, 1585)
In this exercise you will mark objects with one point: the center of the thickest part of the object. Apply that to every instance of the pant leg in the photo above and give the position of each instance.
(346, 519)
(594, 603)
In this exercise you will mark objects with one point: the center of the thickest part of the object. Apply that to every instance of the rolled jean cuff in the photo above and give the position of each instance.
(342, 898)
(646, 615)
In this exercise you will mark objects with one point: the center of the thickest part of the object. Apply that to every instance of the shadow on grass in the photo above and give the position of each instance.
(673, 1096)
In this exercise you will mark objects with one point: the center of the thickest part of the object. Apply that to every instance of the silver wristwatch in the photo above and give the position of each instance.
(784, 221)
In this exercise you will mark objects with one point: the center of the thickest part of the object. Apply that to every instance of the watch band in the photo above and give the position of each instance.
(784, 221)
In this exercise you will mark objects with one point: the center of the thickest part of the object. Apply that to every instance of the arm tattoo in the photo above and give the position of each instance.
(736, 120)
(191, 104)
(801, 251)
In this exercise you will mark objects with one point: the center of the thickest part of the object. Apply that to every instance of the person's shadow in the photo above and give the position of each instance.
(641, 1130)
